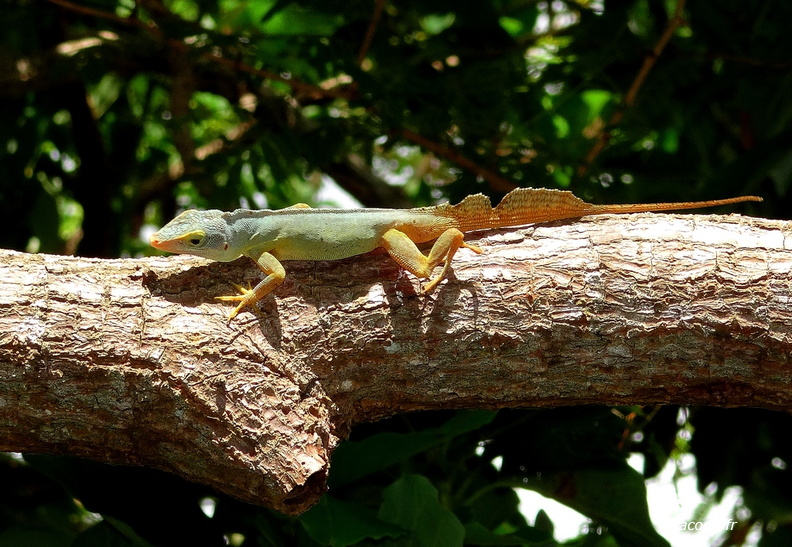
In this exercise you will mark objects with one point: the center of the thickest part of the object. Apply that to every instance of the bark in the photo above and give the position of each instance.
(132, 361)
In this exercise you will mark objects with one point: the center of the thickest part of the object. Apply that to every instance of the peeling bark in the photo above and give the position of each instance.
(132, 361)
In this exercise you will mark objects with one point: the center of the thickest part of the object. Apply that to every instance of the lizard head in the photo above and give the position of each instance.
(200, 233)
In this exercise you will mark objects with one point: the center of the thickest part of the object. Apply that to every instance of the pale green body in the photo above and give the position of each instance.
(318, 234)
(294, 233)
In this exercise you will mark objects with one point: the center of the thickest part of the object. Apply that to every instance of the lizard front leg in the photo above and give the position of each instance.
(407, 255)
(247, 297)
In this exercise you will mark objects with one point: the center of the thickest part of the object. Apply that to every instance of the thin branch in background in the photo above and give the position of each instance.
(305, 89)
(379, 7)
(496, 181)
(345, 91)
(673, 24)
(604, 135)
(93, 12)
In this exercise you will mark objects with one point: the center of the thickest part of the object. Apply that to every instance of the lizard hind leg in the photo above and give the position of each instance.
(407, 255)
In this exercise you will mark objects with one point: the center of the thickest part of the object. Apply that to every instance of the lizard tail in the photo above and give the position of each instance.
(520, 206)
(532, 205)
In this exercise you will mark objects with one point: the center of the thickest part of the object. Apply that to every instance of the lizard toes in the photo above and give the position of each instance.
(243, 292)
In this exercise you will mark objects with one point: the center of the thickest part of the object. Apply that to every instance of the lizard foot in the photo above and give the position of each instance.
(243, 292)
(437, 279)
(475, 248)
(243, 298)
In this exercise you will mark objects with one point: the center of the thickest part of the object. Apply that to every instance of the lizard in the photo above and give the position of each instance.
(300, 232)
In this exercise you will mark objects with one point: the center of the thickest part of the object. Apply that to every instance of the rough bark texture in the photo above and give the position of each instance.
(132, 361)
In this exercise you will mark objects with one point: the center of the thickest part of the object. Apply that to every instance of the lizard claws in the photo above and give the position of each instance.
(243, 292)
(243, 298)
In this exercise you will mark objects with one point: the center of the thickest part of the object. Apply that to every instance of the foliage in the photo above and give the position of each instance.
(118, 113)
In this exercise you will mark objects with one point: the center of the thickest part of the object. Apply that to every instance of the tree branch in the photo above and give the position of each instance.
(604, 134)
(379, 7)
(496, 181)
(131, 361)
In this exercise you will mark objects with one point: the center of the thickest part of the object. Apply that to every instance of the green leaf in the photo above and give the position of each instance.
(338, 523)
(596, 100)
(614, 497)
(476, 534)
(561, 126)
(669, 141)
(413, 503)
(14, 536)
(296, 20)
(543, 522)
(495, 508)
(355, 459)
(109, 533)
(435, 24)
(466, 420)
(44, 222)
(511, 25)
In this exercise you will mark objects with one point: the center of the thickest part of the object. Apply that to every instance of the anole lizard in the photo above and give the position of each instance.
(302, 233)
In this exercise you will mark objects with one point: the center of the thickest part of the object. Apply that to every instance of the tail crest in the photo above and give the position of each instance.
(520, 206)
(532, 205)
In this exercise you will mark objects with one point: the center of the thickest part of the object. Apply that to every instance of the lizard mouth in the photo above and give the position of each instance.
(157, 243)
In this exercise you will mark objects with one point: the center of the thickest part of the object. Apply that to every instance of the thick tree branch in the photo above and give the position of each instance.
(131, 361)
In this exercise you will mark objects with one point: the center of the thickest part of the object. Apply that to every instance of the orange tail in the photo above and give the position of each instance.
(532, 205)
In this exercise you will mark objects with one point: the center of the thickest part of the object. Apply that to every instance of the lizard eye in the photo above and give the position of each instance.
(195, 240)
